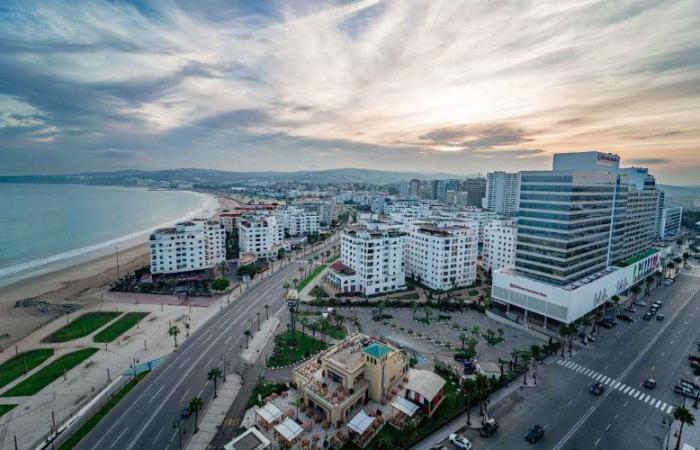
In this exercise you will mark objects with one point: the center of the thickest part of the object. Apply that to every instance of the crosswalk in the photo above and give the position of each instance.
(232, 422)
(614, 384)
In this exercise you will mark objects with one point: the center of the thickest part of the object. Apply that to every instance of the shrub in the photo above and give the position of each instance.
(220, 284)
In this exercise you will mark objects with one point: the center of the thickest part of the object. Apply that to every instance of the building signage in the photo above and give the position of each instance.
(608, 157)
(600, 297)
(645, 267)
(622, 285)
(530, 291)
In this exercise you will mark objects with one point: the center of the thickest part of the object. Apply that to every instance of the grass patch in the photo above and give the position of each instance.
(286, 352)
(329, 329)
(264, 389)
(318, 291)
(95, 419)
(121, 326)
(18, 365)
(311, 276)
(82, 326)
(48, 374)
(4, 409)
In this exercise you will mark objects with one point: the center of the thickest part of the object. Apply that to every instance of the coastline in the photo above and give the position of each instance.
(79, 282)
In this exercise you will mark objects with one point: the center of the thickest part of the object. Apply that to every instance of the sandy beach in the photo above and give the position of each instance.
(79, 284)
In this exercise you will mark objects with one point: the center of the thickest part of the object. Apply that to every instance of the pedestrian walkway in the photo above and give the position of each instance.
(215, 413)
(614, 384)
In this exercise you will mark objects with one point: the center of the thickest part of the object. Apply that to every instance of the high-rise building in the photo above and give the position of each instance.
(442, 256)
(502, 192)
(476, 191)
(671, 219)
(195, 245)
(500, 238)
(414, 187)
(260, 235)
(641, 212)
(439, 189)
(297, 221)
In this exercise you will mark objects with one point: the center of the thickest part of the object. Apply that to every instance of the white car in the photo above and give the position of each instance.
(460, 442)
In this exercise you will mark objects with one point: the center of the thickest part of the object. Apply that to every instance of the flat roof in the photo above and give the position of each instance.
(424, 382)
(251, 439)
(289, 429)
(361, 422)
(269, 412)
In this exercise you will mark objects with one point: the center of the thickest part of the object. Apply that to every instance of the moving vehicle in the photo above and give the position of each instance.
(187, 412)
(597, 389)
(650, 383)
(659, 317)
(460, 442)
(647, 316)
(534, 434)
(490, 427)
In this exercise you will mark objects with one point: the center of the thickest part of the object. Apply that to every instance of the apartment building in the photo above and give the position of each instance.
(502, 192)
(442, 256)
(640, 212)
(500, 240)
(297, 221)
(195, 245)
(260, 235)
(371, 261)
(476, 191)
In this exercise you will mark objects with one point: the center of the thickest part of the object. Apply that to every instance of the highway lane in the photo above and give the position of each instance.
(145, 417)
(627, 416)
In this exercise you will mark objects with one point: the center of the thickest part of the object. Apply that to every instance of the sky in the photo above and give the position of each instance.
(430, 86)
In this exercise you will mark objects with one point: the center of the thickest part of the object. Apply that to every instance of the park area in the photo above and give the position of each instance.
(119, 327)
(82, 326)
(289, 350)
(48, 374)
(22, 363)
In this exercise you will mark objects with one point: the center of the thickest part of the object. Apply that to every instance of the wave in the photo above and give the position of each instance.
(207, 209)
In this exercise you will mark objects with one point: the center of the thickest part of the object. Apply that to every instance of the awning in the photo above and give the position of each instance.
(424, 382)
(361, 422)
(289, 429)
(405, 406)
(269, 413)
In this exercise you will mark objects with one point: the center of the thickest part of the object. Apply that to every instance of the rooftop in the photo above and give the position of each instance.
(377, 350)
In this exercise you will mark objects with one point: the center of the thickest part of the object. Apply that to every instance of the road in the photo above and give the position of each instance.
(627, 415)
(145, 417)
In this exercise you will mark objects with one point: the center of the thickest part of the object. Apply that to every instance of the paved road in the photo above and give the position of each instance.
(627, 415)
(144, 418)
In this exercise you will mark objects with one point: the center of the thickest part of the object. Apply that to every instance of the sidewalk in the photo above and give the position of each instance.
(690, 440)
(215, 413)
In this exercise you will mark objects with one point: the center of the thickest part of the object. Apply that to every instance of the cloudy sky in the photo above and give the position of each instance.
(433, 86)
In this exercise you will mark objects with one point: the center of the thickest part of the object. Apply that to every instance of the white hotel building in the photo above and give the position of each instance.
(195, 245)
(297, 221)
(443, 256)
(500, 238)
(260, 235)
(371, 261)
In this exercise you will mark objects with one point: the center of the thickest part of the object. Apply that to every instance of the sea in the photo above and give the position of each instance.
(45, 227)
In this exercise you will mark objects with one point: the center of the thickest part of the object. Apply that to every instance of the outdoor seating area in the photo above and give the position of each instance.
(364, 426)
(403, 412)
(288, 433)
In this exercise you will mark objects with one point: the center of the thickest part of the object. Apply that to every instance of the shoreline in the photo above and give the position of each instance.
(79, 283)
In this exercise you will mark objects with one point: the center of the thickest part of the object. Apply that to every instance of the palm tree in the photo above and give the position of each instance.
(323, 330)
(501, 332)
(196, 405)
(302, 274)
(468, 387)
(304, 321)
(573, 330)
(482, 385)
(414, 309)
(683, 415)
(616, 301)
(174, 331)
(476, 330)
(462, 337)
(296, 281)
(470, 343)
(247, 334)
(563, 333)
(267, 312)
(214, 375)
(536, 352)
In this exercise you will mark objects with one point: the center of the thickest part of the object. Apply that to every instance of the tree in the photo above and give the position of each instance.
(304, 321)
(683, 415)
(471, 343)
(174, 331)
(476, 330)
(501, 332)
(468, 389)
(414, 309)
(563, 334)
(267, 312)
(686, 255)
(247, 333)
(196, 405)
(482, 385)
(573, 330)
(298, 402)
(462, 337)
(615, 299)
(220, 284)
(214, 375)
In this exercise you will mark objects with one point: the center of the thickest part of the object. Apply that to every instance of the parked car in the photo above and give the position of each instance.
(597, 389)
(657, 304)
(460, 442)
(534, 434)
(650, 383)
(640, 303)
(489, 428)
(647, 316)
(631, 309)
(625, 318)
(659, 317)
(652, 311)
(604, 324)
(187, 412)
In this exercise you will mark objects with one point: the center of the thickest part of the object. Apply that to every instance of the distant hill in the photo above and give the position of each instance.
(681, 195)
(220, 177)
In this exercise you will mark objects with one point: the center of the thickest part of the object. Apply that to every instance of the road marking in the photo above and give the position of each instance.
(598, 377)
(157, 435)
(184, 395)
(617, 383)
(569, 404)
(228, 340)
(658, 402)
(180, 366)
(119, 437)
(156, 394)
(626, 403)
(648, 399)
(608, 427)
(596, 443)
(669, 409)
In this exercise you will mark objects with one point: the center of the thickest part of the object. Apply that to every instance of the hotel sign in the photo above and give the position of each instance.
(600, 297)
(645, 267)
(529, 291)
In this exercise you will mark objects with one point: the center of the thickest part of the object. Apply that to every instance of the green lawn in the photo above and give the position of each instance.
(330, 330)
(264, 389)
(4, 409)
(82, 326)
(94, 420)
(285, 353)
(119, 327)
(311, 276)
(45, 376)
(18, 365)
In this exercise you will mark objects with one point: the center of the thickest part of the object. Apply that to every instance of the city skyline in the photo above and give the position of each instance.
(439, 87)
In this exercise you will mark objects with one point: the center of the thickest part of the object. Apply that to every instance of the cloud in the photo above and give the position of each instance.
(649, 161)
(216, 83)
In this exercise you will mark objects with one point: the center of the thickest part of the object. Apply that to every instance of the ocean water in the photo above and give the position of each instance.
(45, 227)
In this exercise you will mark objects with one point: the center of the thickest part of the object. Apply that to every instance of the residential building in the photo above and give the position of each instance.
(260, 235)
(374, 259)
(439, 189)
(476, 191)
(671, 219)
(229, 220)
(414, 187)
(442, 256)
(195, 245)
(500, 239)
(641, 211)
(297, 221)
(502, 192)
